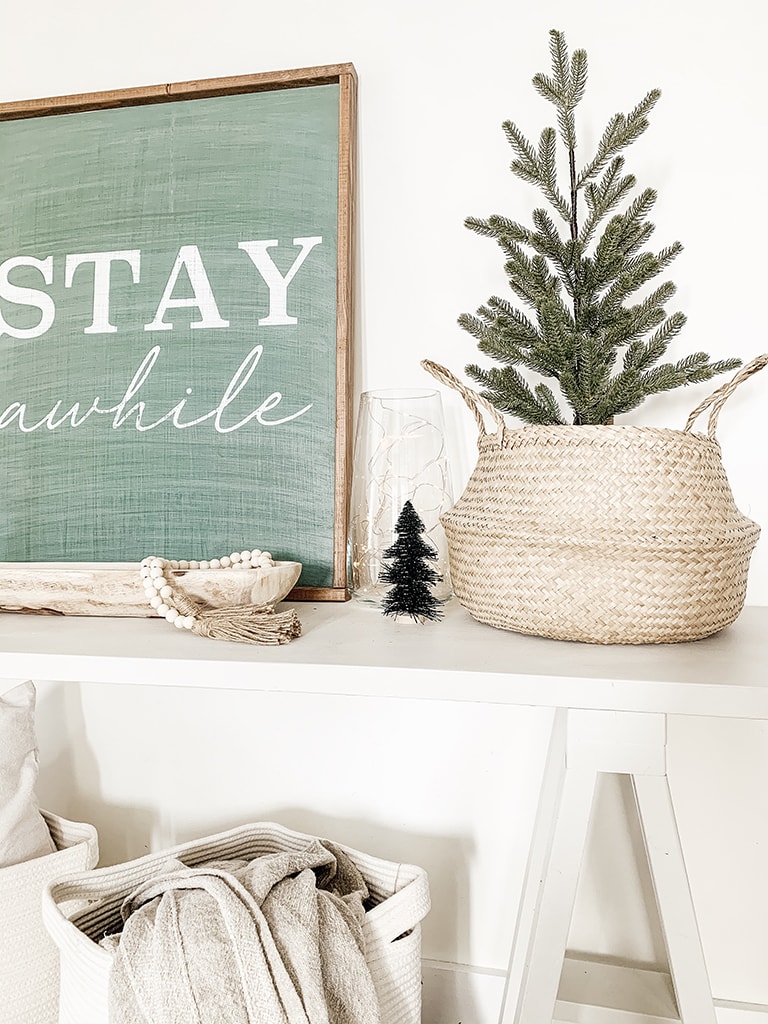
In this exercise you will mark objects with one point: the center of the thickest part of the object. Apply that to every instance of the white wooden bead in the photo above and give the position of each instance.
(159, 589)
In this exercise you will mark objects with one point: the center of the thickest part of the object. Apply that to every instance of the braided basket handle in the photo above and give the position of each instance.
(477, 404)
(718, 398)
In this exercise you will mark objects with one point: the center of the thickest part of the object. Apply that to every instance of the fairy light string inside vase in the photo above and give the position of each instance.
(256, 624)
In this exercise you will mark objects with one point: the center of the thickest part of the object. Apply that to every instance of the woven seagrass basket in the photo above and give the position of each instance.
(602, 534)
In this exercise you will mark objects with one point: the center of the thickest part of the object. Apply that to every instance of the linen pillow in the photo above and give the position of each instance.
(23, 831)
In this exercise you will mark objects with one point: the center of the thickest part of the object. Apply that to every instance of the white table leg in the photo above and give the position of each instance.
(582, 744)
(550, 886)
(673, 897)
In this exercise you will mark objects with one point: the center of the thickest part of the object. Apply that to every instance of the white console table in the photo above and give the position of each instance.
(611, 714)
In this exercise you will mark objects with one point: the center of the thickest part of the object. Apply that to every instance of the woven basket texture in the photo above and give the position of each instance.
(392, 927)
(600, 534)
(29, 960)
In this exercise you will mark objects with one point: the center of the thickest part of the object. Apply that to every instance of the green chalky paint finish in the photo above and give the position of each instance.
(167, 456)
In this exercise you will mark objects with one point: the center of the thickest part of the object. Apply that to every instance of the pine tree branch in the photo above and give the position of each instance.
(498, 227)
(548, 168)
(604, 197)
(620, 132)
(579, 73)
(547, 403)
(548, 89)
(547, 242)
(510, 393)
(510, 321)
(502, 332)
(557, 346)
(558, 52)
(641, 355)
(526, 166)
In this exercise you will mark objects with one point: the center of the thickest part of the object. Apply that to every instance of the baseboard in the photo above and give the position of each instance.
(591, 992)
(458, 994)
(740, 1013)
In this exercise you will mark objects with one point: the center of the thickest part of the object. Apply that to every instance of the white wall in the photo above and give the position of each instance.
(436, 81)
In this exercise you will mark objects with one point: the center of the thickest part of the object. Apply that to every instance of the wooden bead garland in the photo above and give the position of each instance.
(250, 623)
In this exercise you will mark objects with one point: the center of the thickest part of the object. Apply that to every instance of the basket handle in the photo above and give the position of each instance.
(477, 404)
(718, 398)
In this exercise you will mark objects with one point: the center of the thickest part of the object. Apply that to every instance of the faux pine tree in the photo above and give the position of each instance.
(580, 280)
(409, 572)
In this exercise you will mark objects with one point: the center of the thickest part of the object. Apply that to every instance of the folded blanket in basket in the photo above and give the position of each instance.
(274, 940)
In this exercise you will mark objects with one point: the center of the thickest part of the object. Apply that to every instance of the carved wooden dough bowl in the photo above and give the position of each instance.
(115, 588)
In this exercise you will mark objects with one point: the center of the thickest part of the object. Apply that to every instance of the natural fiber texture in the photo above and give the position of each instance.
(603, 534)
(276, 939)
(399, 900)
(29, 961)
(250, 624)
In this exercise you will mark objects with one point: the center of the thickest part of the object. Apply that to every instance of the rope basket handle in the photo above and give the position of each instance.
(718, 398)
(477, 404)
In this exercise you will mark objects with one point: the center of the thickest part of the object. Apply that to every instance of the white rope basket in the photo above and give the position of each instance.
(392, 928)
(29, 961)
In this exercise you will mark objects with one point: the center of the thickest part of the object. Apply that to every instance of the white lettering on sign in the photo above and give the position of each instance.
(274, 280)
(188, 259)
(27, 296)
(135, 415)
(102, 267)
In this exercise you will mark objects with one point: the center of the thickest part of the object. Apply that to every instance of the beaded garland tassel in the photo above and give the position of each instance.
(255, 624)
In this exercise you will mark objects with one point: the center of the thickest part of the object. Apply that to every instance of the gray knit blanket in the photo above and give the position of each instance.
(274, 940)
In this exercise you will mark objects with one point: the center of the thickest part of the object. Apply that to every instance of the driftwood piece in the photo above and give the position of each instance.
(115, 588)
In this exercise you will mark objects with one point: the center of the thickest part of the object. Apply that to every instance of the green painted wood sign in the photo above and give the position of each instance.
(175, 319)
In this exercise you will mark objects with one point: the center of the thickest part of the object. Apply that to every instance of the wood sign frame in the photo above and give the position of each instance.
(182, 233)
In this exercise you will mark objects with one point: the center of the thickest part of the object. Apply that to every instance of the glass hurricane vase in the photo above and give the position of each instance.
(399, 456)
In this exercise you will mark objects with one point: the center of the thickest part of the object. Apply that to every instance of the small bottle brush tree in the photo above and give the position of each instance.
(578, 284)
(409, 572)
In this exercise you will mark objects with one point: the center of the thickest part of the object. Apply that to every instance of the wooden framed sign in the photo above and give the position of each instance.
(175, 323)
